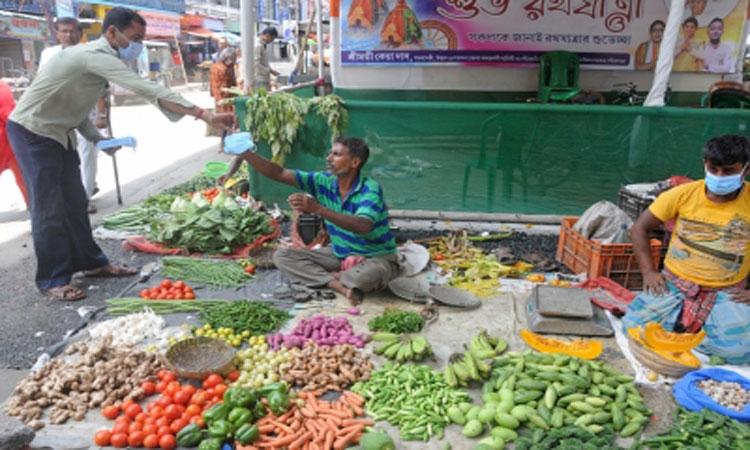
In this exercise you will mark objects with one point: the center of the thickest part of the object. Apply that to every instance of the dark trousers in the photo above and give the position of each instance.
(60, 225)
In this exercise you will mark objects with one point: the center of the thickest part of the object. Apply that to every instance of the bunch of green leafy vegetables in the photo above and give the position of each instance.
(218, 227)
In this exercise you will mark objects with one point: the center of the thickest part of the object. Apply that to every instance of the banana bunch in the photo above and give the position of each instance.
(402, 347)
(472, 365)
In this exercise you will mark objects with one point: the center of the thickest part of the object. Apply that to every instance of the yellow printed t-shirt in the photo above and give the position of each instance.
(710, 245)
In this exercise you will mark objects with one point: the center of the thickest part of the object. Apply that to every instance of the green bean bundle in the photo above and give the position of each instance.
(211, 272)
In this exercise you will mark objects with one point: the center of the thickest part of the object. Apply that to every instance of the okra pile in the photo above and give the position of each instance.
(542, 391)
(412, 397)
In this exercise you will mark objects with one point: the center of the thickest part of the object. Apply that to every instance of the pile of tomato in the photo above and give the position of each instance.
(169, 290)
(156, 427)
(211, 193)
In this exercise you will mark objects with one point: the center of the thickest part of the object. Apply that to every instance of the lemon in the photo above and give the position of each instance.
(652, 376)
(199, 332)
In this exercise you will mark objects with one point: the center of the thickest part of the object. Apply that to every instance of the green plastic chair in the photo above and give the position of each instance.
(558, 76)
(490, 161)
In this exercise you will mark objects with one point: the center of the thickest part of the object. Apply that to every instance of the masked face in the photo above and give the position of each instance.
(131, 51)
(724, 182)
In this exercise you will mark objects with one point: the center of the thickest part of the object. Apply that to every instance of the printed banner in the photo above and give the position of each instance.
(24, 6)
(23, 28)
(161, 25)
(605, 34)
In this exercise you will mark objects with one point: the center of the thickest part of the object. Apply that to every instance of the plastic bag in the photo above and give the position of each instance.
(688, 394)
(602, 222)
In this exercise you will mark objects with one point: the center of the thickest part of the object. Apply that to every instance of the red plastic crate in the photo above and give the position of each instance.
(614, 261)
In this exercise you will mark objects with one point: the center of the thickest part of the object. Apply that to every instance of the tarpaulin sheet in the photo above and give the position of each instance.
(511, 157)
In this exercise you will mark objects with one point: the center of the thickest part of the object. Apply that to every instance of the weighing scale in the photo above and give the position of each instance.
(556, 310)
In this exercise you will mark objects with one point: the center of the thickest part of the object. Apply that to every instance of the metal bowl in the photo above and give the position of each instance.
(197, 357)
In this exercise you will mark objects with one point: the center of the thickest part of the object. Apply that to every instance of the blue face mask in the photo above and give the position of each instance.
(724, 185)
(131, 52)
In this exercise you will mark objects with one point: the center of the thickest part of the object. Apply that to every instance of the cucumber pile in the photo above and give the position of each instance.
(543, 391)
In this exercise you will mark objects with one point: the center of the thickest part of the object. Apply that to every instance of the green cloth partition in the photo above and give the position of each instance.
(553, 159)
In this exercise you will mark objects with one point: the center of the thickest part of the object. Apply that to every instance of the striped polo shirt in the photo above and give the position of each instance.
(365, 199)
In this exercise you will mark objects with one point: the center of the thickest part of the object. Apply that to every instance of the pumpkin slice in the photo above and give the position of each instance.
(685, 358)
(657, 337)
(580, 348)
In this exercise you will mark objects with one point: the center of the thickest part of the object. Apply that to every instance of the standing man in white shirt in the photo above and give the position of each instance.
(68, 32)
(718, 57)
(263, 70)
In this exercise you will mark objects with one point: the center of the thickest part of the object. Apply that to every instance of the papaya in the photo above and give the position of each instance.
(659, 338)
(685, 358)
(580, 348)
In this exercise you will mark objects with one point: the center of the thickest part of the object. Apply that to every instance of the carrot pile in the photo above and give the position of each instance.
(318, 425)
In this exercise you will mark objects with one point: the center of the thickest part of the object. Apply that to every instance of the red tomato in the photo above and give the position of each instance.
(189, 296)
(136, 439)
(193, 410)
(163, 431)
(120, 428)
(132, 410)
(164, 401)
(172, 412)
(233, 375)
(220, 389)
(148, 388)
(172, 388)
(177, 425)
(199, 398)
(135, 426)
(160, 386)
(169, 297)
(144, 293)
(141, 417)
(169, 377)
(154, 292)
(151, 441)
(162, 373)
(163, 421)
(167, 442)
(102, 438)
(123, 419)
(111, 412)
(156, 412)
(182, 397)
(190, 389)
(212, 380)
(166, 284)
(119, 440)
(149, 428)
(198, 420)
(179, 284)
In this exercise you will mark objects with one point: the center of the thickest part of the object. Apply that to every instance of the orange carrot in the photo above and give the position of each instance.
(286, 415)
(296, 425)
(312, 402)
(357, 411)
(266, 428)
(365, 422)
(300, 441)
(349, 429)
(353, 398)
(284, 441)
(333, 412)
(307, 412)
(330, 435)
(344, 441)
(333, 425)
(281, 426)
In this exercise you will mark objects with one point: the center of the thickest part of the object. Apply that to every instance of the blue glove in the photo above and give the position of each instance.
(239, 143)
(106, 144)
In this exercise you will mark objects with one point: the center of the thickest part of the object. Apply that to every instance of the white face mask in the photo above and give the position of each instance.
(132, 51)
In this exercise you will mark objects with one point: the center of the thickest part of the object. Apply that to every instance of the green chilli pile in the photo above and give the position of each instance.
(412, 397)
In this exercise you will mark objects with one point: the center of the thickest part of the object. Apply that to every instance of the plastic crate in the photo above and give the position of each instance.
(614, 261)
(632, 203)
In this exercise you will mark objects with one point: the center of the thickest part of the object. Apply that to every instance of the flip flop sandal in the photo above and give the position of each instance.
(411, 289)
(454, 297)
(113, 272)
(65, 293)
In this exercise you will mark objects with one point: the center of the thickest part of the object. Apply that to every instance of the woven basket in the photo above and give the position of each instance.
(656, 362)
(196, 358)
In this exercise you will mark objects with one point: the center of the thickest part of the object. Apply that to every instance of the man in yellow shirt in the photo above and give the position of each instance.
(704, 282)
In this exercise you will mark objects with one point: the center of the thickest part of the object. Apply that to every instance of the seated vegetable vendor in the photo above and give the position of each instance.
(362, 255)
(704, 281)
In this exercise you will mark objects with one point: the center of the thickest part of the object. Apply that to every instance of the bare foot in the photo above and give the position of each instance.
(336, 275)
(354, 295)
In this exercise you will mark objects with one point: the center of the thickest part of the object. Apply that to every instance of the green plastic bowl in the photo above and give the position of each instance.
(215, 169)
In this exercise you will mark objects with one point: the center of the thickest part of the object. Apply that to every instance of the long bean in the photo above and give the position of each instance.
(212, 272)
(128, 305)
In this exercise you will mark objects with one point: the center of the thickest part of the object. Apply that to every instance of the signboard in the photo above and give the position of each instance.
(605, 34)
(23, 27)
(161, 25)
(65, 8)
(174, 6)
(24, 6)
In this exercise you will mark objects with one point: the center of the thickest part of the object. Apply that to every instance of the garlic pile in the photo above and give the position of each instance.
(728, 394)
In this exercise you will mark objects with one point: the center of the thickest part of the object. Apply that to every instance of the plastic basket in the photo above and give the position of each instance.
(632, 203)
(614, 261)
(215, 169)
